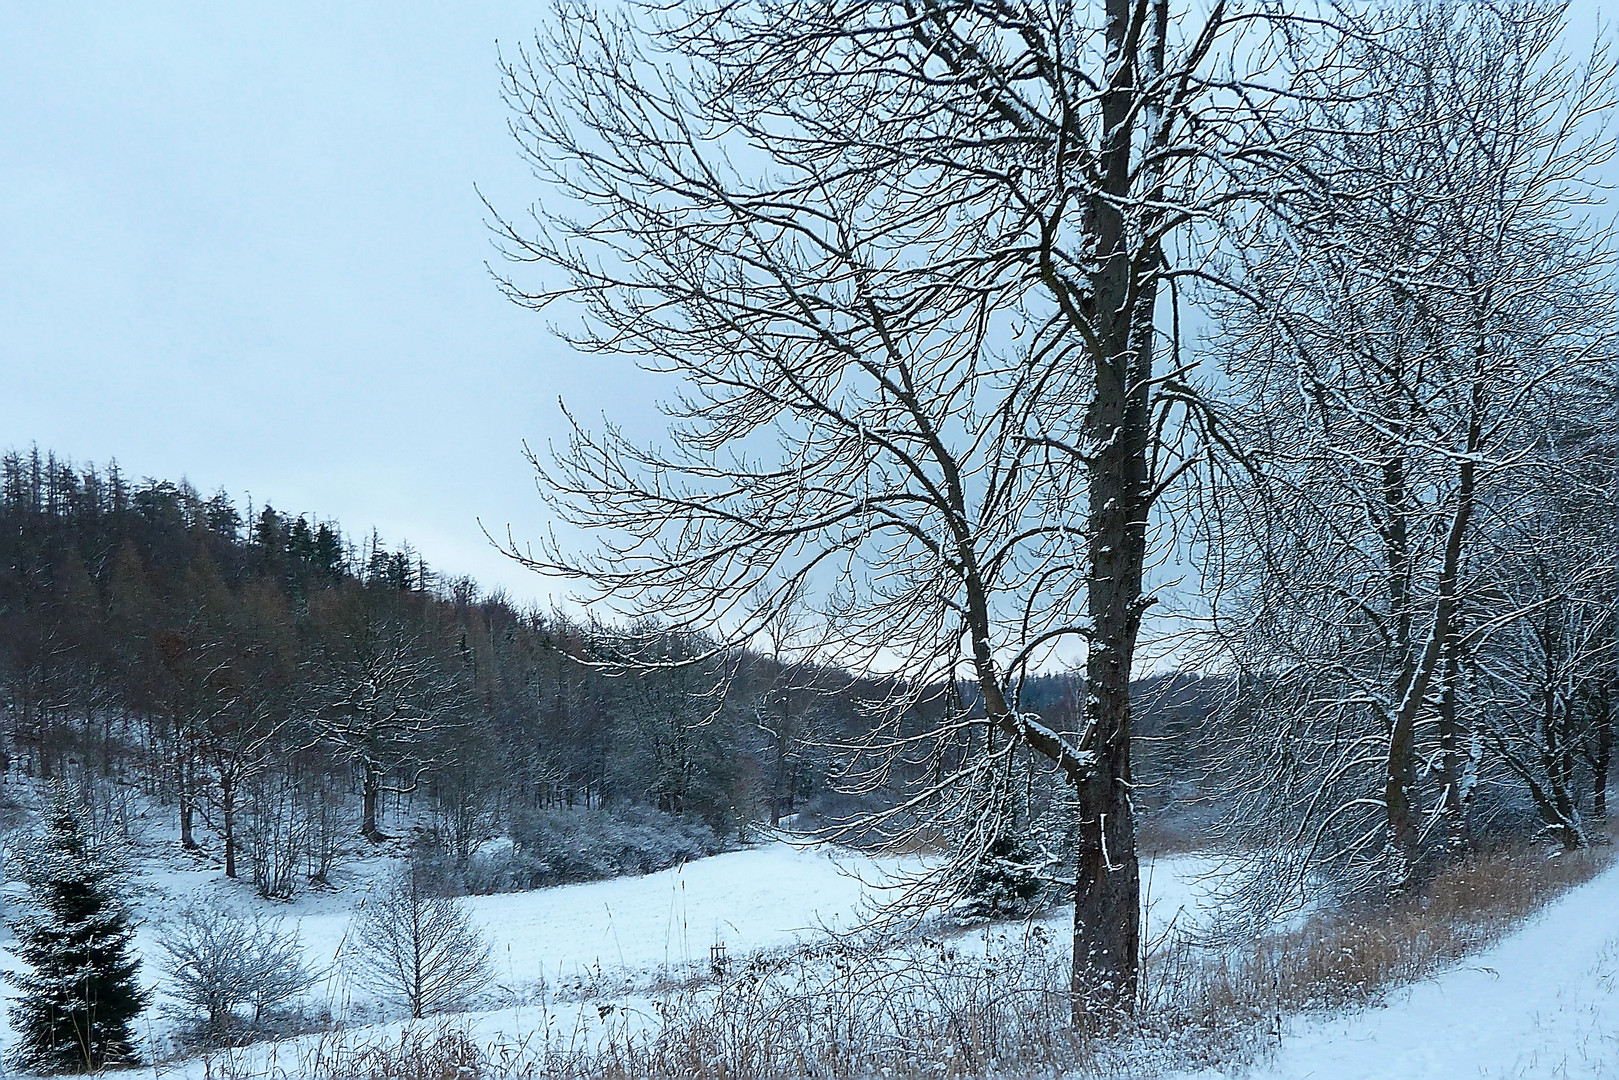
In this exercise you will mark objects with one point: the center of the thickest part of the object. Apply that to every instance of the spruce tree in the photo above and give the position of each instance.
(80, 996)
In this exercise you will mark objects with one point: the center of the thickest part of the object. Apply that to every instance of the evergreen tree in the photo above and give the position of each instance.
(77, 1002)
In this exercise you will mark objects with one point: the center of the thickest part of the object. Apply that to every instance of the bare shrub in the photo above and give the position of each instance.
(218, 962)
(274, 835)
(420, 949)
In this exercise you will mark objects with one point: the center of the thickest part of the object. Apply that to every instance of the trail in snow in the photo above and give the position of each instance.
(1540, 1005)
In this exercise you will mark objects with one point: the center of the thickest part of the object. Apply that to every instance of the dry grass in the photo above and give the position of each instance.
(1353, 955)
(436, 1051)
(996, 1006)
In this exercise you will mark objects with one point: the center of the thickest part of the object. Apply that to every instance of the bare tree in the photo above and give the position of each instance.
(1431, 287)
(379, 694)
(1545, 678)
(787, 709)
(905, 261)
(418, 948)
(218, 961)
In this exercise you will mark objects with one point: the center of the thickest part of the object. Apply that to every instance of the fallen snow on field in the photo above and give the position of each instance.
(581, 962)
(577, 961)
(564, 955)
(1540, 1005)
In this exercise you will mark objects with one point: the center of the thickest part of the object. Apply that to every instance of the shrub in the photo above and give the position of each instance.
(218, 962)
(561, 847)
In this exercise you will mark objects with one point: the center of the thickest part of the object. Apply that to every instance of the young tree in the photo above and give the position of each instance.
(77, 1002)
(787, 710)
(418, 948)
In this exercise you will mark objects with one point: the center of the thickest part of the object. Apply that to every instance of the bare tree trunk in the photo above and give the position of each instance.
(227, 803)
(1107, 906)
(1121, 306)
(1452, 761)
(182, 785)
(370, 795)
(1404, 838)
(1603, 758)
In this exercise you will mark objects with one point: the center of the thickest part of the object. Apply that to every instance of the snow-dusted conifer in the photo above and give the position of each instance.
(76, 1002)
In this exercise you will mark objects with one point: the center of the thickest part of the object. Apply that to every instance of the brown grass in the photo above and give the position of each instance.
(1353, 955)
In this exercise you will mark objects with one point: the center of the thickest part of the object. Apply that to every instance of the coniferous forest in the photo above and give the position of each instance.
(282, 687)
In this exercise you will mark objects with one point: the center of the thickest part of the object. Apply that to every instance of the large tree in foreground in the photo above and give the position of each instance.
(904, 265)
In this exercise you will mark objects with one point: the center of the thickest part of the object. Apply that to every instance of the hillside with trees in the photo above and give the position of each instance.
(284, 688)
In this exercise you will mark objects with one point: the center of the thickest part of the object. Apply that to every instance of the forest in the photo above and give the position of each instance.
(286, 688)
(267, 676)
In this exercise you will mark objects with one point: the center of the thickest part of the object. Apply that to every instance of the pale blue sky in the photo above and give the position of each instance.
(242, 245)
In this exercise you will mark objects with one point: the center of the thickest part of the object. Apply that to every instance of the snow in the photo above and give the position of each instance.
(626, 932)
(577, 961)
(1540, 1004)
(562, 954)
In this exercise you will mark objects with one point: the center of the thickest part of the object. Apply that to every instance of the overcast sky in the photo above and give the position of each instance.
(244, 246)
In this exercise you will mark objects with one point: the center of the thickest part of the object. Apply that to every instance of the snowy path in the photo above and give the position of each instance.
(1540, 1005)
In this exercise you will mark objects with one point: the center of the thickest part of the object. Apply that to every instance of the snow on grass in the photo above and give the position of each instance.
(1541, 1004)
(575, 961)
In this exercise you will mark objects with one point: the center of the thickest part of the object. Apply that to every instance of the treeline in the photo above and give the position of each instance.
(281, 687)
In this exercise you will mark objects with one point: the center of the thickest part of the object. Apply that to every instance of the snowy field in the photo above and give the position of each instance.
(569, 958)
(577, 961)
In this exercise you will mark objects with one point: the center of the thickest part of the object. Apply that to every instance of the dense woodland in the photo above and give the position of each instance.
(281, 690)
(283, 686)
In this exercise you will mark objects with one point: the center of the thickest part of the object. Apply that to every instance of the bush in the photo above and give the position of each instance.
(218, 962)
(561, 847)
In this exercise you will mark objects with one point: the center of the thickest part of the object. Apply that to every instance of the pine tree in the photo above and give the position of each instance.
(77, 1002)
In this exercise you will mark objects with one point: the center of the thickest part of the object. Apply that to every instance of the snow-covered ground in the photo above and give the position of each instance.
(579, 960)
(622, 931)
(1540, 1005)
(564, 955)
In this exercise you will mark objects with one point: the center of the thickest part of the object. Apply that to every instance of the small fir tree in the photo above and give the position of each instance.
(80, 995)
(1006, 885)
